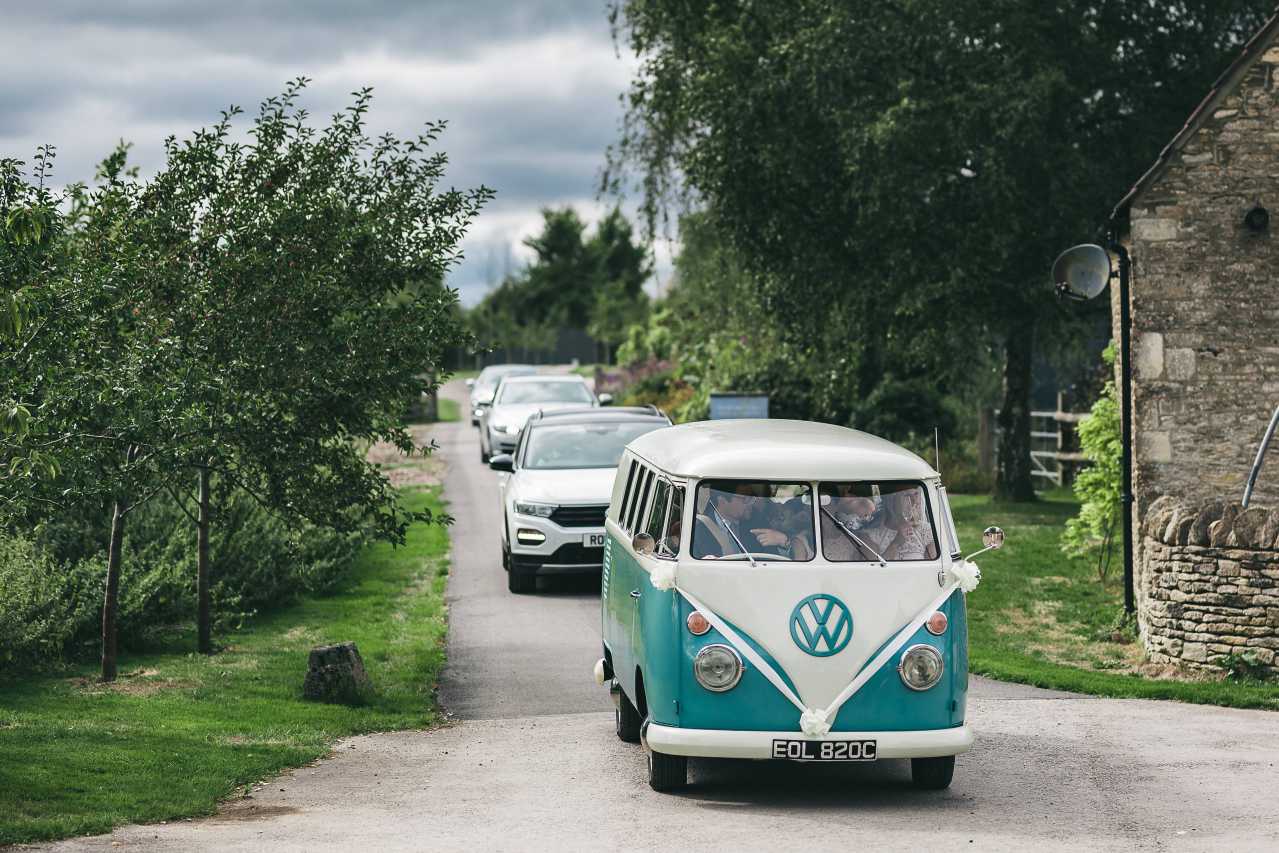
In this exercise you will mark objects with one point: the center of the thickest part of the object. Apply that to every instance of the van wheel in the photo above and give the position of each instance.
(932, 774)
(627, 719)
(667, 772)
(520, 582)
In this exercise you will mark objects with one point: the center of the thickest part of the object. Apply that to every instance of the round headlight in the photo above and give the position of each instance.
(717, 668)
(921, 667)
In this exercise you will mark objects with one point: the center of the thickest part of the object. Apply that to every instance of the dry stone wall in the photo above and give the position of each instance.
(1210, 583)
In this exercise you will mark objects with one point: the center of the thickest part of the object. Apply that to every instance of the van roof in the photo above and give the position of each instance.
(777, 450)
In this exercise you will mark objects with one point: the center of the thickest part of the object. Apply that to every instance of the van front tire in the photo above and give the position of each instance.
(667, 772)
(627, 719)
(932, 774)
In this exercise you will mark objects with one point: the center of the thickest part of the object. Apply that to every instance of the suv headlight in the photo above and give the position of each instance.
(921, 667)
(538, 510)
(717, 668)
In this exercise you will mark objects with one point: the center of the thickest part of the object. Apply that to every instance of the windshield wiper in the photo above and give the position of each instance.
(853, 536)
(737, 541)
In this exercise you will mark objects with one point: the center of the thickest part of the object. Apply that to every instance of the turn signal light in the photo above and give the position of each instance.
(937, 623)
(697, 623)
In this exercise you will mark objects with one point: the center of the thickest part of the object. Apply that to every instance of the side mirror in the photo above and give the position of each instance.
(606, 399)
(502, 462)
(470, 383)
(992, 538)
(643, 544)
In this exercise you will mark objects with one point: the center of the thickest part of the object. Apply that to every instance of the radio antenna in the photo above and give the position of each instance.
(936, 450)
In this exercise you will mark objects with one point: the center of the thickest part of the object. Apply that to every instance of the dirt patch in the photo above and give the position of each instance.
(238, 811)
(422, 468)
(142, 683)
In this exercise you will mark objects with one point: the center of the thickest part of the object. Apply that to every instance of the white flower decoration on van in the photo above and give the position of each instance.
(662, 576)
(966, 574)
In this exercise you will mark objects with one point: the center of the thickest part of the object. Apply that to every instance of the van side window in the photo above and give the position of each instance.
(632, 506)
(637, 517)
(668, 543)
(657, 514)
(626, 494)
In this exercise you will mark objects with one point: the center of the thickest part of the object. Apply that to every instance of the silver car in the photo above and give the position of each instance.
(483, 386)
(519, 397)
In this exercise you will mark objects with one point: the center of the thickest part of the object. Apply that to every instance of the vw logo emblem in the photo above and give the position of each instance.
(821, 625)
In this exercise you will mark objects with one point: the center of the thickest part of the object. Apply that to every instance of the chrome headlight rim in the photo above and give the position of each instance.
(926, 649)
(718, 647)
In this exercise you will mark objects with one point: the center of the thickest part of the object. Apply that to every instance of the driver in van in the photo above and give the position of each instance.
(742, 516)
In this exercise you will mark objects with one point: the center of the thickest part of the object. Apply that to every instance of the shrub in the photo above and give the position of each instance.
(51, 585)
(1099, 487)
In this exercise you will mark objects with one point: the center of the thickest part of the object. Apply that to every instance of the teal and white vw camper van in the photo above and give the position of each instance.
(784, 590)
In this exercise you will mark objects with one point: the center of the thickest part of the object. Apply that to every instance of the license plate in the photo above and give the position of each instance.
(594, 540)
(825, 750)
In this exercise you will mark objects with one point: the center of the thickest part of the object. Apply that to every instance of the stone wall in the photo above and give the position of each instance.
(1205, 303)
(1210, 583)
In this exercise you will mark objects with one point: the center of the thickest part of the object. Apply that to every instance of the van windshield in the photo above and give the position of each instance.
(869, 522)
(764, 519)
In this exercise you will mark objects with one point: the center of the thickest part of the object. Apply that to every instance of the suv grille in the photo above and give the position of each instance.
(579, 516)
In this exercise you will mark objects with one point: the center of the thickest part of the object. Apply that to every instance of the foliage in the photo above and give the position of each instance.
(896, 181)
(1098, 487)
(179, 732)
(593, 283)
(51, 582)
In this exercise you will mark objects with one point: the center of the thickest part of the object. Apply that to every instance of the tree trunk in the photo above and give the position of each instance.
(1014, 481)
(111, 598)
(204, 628)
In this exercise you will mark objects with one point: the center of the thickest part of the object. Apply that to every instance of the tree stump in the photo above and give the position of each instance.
(335, 674)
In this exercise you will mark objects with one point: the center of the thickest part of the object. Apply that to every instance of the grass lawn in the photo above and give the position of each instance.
(448, 410)
(1041, 618)
(179, 731)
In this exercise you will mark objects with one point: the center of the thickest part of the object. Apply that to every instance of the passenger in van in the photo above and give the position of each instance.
(914, 540)
(853, 528)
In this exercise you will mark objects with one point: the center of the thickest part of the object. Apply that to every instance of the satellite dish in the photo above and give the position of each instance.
(1082, 272)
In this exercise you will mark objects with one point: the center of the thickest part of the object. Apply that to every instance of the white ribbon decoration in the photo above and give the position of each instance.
(816, 722)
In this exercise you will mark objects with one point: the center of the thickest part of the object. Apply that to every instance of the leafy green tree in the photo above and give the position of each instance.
(251, 316)
(896, 176)
(593, 283)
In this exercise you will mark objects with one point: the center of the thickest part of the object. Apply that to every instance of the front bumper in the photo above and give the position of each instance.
(716, 743)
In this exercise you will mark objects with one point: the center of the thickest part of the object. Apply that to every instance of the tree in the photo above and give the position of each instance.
(252, 315)
(896, 176)
(592, 283)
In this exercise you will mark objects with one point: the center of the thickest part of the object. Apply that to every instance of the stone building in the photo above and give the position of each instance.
(1205, 327)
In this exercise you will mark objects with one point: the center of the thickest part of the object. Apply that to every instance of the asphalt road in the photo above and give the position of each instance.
(531, 762)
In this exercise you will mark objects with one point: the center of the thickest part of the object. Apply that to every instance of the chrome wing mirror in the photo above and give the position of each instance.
(643, 544)
(992, 538)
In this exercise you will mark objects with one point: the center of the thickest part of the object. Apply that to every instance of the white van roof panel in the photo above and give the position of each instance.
(768, 449)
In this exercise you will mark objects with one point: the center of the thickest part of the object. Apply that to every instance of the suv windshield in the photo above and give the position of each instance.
(766, 520)
(545, 392)
(869, 522)
(592, 445)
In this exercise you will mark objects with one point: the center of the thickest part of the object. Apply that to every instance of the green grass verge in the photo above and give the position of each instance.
(1042, 618)
(182, 731)
(448, 410)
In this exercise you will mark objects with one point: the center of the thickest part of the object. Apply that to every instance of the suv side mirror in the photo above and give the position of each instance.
(470, 383)
(502, 462)
(606, 399)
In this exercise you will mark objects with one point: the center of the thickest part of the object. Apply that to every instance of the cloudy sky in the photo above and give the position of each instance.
(530, 87)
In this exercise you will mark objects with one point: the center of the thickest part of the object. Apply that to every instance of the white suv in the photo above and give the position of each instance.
(557, 486)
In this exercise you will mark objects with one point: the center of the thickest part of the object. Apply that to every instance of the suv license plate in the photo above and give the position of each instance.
(825, 750)
(593, 540)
